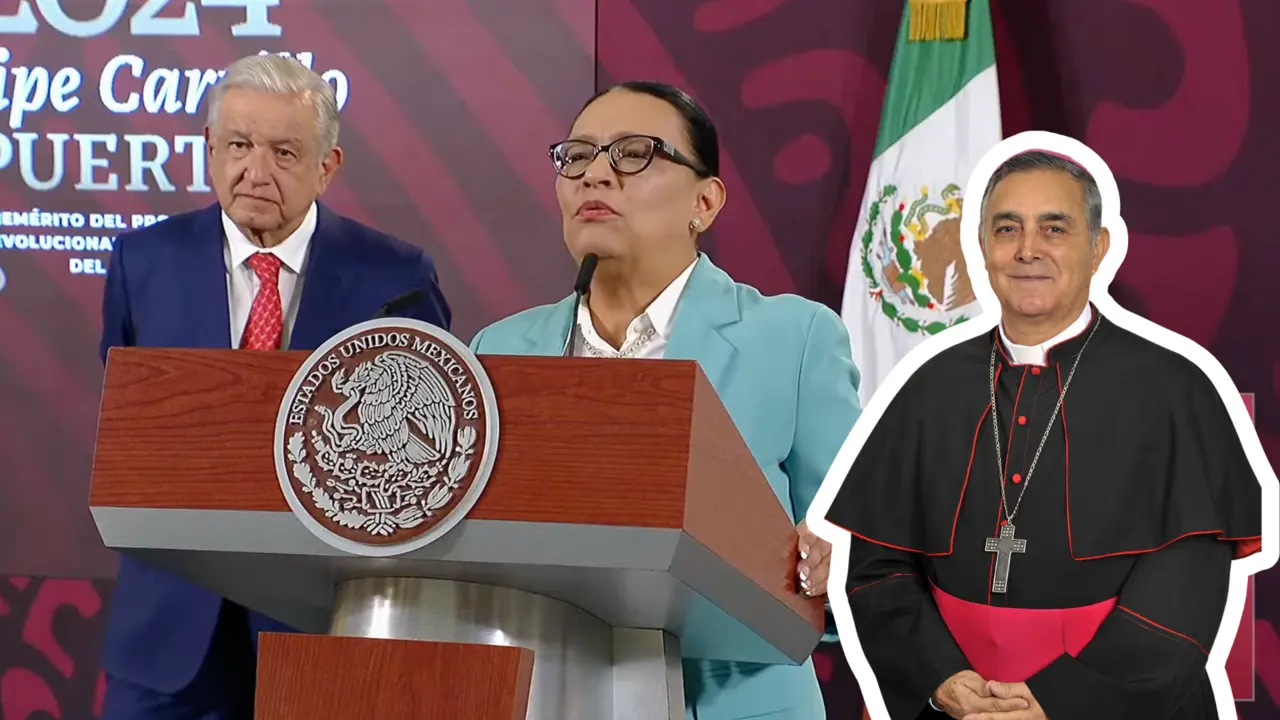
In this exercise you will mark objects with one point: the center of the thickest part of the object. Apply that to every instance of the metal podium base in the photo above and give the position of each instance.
(583, 669)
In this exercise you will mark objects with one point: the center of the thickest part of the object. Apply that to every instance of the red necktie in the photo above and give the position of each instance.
(266, 317)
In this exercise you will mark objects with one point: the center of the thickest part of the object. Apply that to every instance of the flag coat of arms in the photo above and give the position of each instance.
(906, 277)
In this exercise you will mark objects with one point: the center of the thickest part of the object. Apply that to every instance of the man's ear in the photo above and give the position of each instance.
(1100, 248)
(329, 168)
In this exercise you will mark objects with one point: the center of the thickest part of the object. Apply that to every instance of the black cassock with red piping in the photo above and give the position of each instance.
(1140, 499)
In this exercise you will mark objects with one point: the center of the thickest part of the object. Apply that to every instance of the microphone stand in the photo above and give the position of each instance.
(581, 287)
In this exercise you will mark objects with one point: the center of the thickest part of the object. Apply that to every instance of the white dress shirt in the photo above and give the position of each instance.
(1035, 354)
(242, 281)
(646, 336)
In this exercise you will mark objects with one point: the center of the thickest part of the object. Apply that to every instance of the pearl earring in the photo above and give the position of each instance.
(695, 224)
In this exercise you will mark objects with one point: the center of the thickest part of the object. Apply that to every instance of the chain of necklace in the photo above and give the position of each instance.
(995, 424)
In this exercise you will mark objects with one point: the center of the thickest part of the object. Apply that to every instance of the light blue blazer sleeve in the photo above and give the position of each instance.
(827, 407)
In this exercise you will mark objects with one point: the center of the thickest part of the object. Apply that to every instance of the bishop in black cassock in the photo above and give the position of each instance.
(1105, 592)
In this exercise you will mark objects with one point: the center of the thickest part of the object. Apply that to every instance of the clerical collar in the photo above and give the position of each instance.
(1036, 354)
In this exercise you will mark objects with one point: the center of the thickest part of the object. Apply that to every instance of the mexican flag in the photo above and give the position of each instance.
(906, 277)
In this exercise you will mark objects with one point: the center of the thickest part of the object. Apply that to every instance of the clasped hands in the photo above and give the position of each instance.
(815, 561)
(967, 696)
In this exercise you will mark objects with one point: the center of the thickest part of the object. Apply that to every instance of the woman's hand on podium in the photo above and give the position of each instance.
(815, 561)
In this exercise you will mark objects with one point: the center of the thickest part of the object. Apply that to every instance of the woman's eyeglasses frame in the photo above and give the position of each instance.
(657, 148)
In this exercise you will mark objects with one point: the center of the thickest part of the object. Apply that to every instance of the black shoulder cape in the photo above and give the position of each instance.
(1146, 452)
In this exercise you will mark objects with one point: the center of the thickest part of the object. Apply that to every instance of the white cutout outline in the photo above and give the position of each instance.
(1099, 294)
(1250, 594)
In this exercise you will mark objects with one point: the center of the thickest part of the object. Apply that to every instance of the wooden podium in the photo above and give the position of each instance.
(625, 525)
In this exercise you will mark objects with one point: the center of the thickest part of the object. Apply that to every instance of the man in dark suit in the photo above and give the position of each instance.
(265, 268)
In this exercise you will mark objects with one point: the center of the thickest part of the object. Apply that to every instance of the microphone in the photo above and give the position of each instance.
(398, 304)
(585, 272)
(580, 288)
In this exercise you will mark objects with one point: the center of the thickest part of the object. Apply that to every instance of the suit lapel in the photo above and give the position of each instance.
(708, 305)
(325, 285)
(205, 284)
(547, 336)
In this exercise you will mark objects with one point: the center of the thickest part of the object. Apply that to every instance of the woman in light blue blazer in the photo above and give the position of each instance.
(637, 184)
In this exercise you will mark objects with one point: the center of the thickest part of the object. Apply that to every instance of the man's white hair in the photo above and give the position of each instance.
(283, 76)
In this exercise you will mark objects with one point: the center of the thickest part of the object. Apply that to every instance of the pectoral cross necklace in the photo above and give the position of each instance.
(1006, 544)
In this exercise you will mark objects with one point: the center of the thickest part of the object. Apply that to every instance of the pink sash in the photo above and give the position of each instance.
(1012, 644)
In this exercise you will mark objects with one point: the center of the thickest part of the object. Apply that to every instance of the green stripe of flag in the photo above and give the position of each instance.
(925, 75)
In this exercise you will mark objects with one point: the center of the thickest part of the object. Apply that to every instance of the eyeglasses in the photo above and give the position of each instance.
(627, 155)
